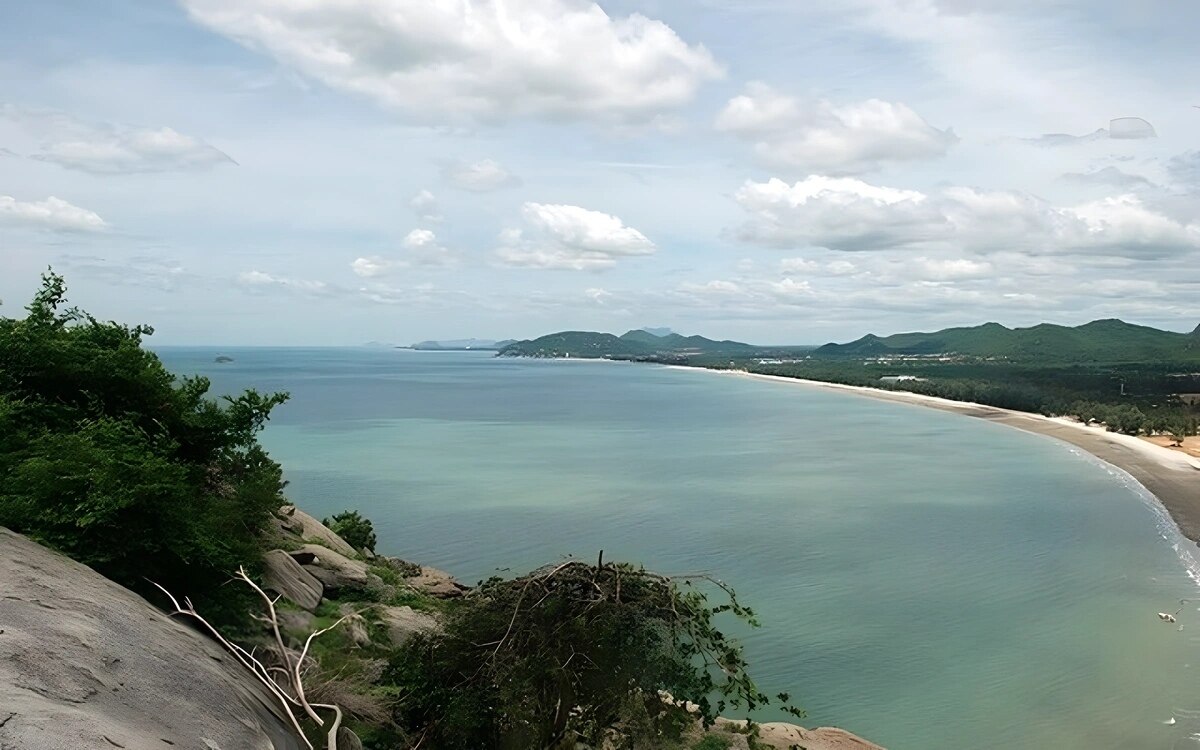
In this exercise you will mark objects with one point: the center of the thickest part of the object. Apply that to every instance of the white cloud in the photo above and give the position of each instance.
(1119, 129)
(597, 295)
(51, 213)
(851, 215)
(1123, 226)
(1109, 176)
(421, 248)
(372, 266)
(797, 265)
(425, 206)
(261, 281)
(480, 177)
(841, 213)
(131, 151)
(476, 59)
(820, 136)
(111, 149)
(949, 269)
(570, 237)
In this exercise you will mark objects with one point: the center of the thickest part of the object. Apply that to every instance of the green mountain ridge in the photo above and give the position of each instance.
(636, 344)
(1107, 340)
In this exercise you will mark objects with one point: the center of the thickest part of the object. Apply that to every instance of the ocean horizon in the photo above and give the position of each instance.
(924, 580)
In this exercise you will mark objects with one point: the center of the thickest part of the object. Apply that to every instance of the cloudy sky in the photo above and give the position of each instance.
(778, 171)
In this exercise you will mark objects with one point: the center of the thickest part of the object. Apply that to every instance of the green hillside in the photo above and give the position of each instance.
(1099, 341)
(637, 344)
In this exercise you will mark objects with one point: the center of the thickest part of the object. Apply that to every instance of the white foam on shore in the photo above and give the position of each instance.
(1185, 550)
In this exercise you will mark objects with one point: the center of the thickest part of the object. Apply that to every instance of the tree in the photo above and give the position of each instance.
(1181, 429)
(109, 458)
(574, 653)
(358, 531)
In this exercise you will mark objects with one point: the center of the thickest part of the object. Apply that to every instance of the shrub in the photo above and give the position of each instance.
(571, 653)
(358, 531)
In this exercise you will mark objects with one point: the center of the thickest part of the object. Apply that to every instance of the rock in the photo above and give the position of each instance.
(312, 530)
(348, 740)
(403, 623)
(85, 663)
(403, 567)
(379, 590)
(335, 571)
(437, 583)
(285, 576)
(778, 735)
(294, 622)
(356, 630)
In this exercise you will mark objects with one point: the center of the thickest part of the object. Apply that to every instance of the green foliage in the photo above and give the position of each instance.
(713, 742)
(357, 530)
(1098, 341)
(567, 654)
(105, 456)
(638, 345)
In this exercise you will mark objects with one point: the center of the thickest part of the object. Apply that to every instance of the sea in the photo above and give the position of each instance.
(924, 579)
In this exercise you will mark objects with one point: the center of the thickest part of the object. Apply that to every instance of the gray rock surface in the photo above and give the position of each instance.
(403, 623)
(333, 569)
(283, 575)
(348, 740)
(311, 529)
(437, 583)
(86, 664)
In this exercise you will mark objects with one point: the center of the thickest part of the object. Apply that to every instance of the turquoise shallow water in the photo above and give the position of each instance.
(926, 580)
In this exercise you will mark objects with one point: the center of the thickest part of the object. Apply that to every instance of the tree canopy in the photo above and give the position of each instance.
(108, 457)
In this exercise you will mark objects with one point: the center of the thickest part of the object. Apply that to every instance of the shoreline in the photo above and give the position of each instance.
(1173, 477)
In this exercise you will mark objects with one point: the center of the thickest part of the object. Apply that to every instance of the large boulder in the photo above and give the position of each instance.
(331, 568)
(778, 735)
(85, 663)
(437, 583)
(285, 576)
(310, 529)
(403, 623)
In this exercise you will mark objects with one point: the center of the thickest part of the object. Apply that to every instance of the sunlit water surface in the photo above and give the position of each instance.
(927, 580)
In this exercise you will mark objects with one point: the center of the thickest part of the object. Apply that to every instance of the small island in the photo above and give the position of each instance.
(222, 359)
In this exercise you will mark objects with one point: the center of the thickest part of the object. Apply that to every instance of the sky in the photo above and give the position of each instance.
(327, 172)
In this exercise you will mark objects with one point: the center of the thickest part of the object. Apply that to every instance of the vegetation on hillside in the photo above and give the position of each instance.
(1132, 398)
(637, 345)
(108, 457)
(1103, 341)
(1125, 376)
(350, 525)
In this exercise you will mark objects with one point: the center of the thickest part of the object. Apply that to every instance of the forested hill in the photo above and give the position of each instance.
(637, 344)
(1099, 341)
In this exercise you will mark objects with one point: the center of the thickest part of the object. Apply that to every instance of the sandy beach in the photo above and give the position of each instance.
(1172, 476)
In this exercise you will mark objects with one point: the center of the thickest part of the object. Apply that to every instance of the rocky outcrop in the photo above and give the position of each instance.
(786, 736)
(779, 735)
(403, 623)
(296, 522)
(437, 583)
(85, 663)
(331, 568)
(283, 575)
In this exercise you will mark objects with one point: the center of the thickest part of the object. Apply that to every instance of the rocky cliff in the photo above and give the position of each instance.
(85, 663)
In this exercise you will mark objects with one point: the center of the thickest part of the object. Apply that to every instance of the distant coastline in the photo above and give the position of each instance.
(1171, 476)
